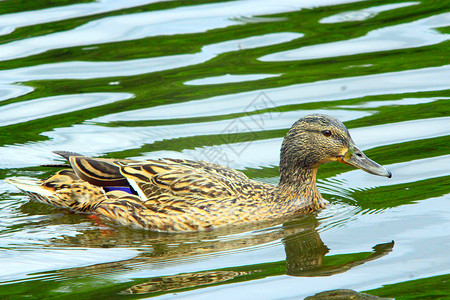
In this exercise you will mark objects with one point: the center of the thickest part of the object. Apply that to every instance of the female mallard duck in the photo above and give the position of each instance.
(176, 195)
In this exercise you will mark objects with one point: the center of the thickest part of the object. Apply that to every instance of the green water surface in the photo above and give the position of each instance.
(223, 82)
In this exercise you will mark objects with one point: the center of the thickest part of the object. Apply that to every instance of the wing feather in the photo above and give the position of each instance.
(160, 181)
(98, 171)
(171, 178)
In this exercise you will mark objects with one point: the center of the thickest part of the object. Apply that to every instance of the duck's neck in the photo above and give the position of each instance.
(297, 187)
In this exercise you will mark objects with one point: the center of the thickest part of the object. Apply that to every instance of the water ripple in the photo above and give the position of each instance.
(228, 78)
(180, 20)
(49, 106)
(239, 125)
(404, 101)
(364, 14)
(100, 69)
(419, 80)
(404, 36)
(22, 264)
(9, 91)
(404, 172)
(10, 22)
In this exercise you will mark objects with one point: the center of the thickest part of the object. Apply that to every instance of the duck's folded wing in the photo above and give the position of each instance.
(160, 180)
(163, 179)
(99, 171)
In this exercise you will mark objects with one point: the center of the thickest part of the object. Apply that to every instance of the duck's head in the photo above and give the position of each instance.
(316, 139)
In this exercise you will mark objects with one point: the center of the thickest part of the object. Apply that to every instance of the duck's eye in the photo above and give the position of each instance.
(326, 133)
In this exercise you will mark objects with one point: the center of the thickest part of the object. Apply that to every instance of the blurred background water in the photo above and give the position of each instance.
(223, 81)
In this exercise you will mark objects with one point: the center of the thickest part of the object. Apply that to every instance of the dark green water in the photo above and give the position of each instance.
(223, 81)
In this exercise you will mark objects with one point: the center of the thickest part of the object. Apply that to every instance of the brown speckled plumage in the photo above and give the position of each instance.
(175, 195)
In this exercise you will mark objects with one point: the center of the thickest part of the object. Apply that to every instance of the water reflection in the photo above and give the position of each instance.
(404, 36)
(9, 91)
(132, 26)
(305, 256)
(10, 22)
(158, 253)
(183, 281)
(48, 106)
(100, 69)
(364, 14)
(404, 101)
(420, 169)
(394, 102)
(410, 81)
(228, 78)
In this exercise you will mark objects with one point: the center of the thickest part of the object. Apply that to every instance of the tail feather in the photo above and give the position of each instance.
(33, 186)
(67, 154)
(63, 189)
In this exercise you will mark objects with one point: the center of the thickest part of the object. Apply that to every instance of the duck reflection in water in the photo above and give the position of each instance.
(305, 254)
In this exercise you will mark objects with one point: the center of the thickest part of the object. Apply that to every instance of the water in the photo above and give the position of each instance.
(223, 81)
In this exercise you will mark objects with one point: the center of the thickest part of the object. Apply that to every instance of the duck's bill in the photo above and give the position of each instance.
(357, 158)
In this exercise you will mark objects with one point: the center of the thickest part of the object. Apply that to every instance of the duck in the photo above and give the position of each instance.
(180, 195)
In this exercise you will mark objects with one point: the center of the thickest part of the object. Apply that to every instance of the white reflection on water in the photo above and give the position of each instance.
(403, 36)
(89, 70)
(401, 132)
(99, 69)
(9, 22)
(228, 78)
(180, 20)
(404, 172)
(23, 264)
(9, 91)
(419, 80)
(48, 106)
(364, 14)
(404, 101)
